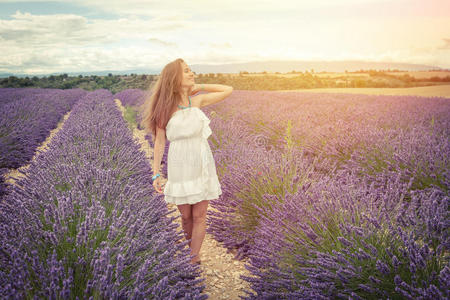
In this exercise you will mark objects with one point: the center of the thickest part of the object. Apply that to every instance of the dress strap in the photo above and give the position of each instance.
(181, 106)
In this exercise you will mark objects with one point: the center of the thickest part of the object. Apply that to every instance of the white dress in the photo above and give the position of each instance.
(191, 170)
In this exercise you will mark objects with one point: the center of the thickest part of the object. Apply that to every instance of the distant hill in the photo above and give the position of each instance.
(284, 66)
(317, 66)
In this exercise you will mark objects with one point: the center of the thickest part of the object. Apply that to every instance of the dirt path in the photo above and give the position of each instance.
(14, 173)
(220, 270)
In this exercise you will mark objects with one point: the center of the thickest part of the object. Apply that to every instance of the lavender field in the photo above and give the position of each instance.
(327, 196)
(338, 195)
(332, 195)
(85, 221)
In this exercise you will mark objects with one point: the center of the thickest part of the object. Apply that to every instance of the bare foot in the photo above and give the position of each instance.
(195, 260)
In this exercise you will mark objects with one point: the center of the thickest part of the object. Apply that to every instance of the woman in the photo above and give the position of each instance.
(172, 113)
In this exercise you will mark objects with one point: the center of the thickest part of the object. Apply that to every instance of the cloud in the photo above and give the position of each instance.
(220, 45)
(66, 42)
(161, 42)
(75, 59)
(38, 30)
(27, 30)
(226, 9)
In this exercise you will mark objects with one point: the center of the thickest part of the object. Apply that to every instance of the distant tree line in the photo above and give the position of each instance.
(114, 83)
(242, 81)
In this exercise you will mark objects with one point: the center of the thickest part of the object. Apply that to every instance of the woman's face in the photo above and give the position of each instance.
(188, 76)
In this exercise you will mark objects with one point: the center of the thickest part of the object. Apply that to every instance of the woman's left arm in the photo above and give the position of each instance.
(221, 91)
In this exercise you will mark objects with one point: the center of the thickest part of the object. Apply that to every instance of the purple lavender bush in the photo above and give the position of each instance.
(131, 97)
(334, 125)
(253, 173)
(249, 166)
(8, 95)
(85, 222)
(422, 154)
(407, 155)
(335, 239)
(26, 121)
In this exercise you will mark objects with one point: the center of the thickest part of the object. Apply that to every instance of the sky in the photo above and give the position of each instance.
(38, 37)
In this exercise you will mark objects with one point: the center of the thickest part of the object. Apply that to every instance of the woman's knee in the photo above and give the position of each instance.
(186, 212)
(199, 219)
(199, 211)
(186, 219)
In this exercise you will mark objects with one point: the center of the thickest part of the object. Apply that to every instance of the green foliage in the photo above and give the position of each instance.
(247, 215)
(363, 252)
(130, 116)
(276, 181)
(288, 136)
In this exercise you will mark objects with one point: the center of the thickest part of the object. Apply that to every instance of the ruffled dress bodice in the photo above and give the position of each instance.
(188, 123)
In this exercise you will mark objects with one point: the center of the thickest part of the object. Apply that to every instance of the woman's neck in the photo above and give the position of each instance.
(184, 100)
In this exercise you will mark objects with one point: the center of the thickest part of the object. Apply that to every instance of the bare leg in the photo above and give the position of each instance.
(186, 220)
(199, 228)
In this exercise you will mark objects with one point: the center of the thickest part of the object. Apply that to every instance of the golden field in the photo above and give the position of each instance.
(425, 91)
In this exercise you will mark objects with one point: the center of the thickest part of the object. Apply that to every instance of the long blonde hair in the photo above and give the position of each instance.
(163, 98)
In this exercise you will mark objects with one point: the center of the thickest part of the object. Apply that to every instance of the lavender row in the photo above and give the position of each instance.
(256, 180)
(8, 95)
(26, 121)
(340, 238)
(85, 222)
(326, 123)
(132, 97)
